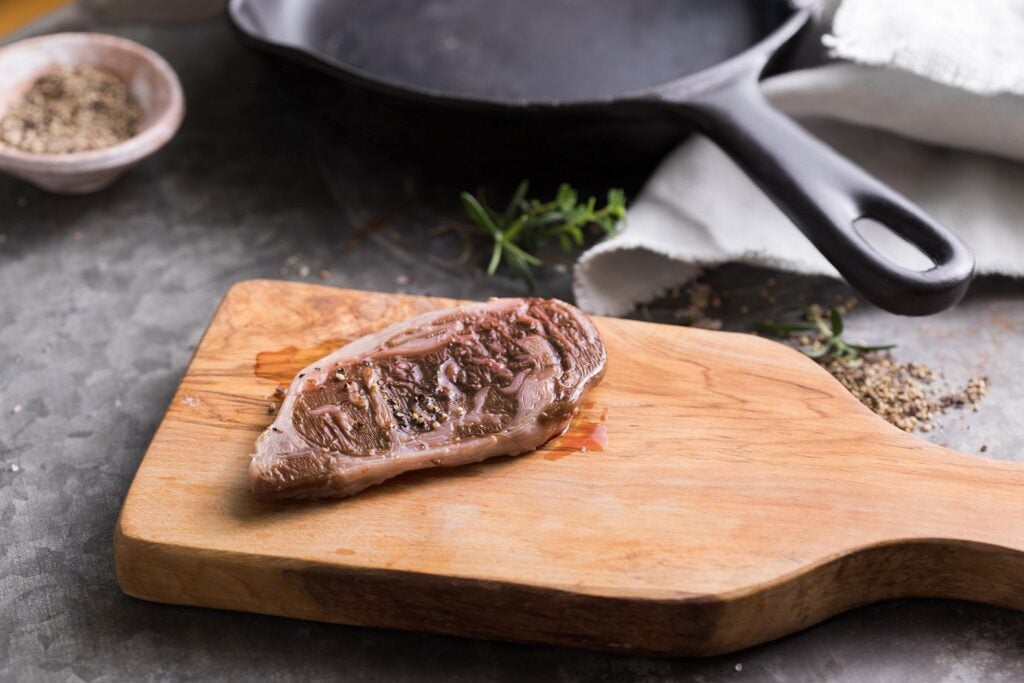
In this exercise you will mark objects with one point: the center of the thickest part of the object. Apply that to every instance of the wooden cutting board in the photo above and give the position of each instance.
(717, 490)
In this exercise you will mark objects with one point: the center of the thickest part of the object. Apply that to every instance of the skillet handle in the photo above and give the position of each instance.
(823, 194)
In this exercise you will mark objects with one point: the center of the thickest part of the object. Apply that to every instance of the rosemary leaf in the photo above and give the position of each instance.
(527, 225)
(827, 338)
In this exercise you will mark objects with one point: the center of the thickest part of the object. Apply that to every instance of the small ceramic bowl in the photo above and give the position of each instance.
(150, 79)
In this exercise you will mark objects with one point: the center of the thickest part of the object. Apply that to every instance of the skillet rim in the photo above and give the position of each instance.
(752, 59)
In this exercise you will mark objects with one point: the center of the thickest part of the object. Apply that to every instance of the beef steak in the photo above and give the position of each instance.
(444, 388)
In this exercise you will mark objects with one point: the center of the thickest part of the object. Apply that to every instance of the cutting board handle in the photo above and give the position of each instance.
(968, 539)
(972, 498)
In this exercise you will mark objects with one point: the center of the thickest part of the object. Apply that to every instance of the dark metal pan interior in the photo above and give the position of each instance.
(516, 50)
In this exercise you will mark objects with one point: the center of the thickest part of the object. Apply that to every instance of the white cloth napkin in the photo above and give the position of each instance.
(928, 95)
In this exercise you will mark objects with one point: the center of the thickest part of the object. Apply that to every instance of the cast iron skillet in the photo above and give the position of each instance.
(508, 74)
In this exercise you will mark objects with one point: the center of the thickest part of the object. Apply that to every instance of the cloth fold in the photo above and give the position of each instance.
(947, 134)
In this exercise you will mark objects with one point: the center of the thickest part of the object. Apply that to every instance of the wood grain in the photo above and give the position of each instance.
(730, 492)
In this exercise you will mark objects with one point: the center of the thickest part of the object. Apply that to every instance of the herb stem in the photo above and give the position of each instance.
(828, 342)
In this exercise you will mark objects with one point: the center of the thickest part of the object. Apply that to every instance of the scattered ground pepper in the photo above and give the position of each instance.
(902, 393)
(701, 299)
(908, 395)
(72, 109)
(293, 262)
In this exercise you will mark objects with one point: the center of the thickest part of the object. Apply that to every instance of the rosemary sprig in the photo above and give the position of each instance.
(825, 336)
(527, 225)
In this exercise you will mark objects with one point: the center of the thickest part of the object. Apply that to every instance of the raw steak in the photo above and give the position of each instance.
(444, 388)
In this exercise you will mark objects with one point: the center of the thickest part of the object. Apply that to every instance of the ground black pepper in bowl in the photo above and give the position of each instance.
(71, 109)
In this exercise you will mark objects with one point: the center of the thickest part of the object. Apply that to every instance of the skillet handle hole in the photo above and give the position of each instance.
(892, 246)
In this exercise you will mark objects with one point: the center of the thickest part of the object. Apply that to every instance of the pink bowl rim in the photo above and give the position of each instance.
(158, 133)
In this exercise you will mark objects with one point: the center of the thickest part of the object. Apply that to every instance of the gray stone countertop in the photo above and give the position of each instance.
(104, 298)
